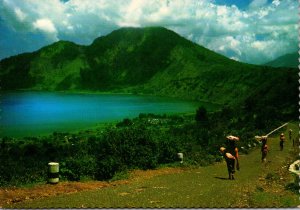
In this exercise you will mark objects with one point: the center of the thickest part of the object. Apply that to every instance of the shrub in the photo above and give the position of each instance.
(120, 175)
(168, 150)
(74, 168)
(107, 167)
(125, 122)
(201, 115)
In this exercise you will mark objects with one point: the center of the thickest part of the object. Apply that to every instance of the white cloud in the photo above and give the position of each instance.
(20, 15)
(225, 29)
(262, 13)
(259, 45)
(221, 10)
(276, 2)
(45, 25)
(258, 3)
(234, 58)
(232, 46)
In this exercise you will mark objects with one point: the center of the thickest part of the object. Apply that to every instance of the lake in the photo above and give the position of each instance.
(40, 113)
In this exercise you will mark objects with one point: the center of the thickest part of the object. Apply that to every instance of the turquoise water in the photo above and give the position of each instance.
(35, 113)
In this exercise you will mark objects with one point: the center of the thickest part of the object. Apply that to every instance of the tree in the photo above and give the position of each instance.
(201, 115)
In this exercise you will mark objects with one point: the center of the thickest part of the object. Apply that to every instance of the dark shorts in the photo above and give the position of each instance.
(230, 165)
(281, 143)
(264, 155)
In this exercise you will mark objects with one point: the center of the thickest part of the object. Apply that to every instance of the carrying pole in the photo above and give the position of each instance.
(276, 129)
(260, 137)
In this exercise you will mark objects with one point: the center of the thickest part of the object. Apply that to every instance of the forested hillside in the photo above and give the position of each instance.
(287, 60)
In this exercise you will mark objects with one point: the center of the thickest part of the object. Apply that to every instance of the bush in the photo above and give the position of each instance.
(201, 115)
(120, 175)
(107, 167)
(74, 168)
(168, 150)
(129, 147)
(294, 186)
(125, 122)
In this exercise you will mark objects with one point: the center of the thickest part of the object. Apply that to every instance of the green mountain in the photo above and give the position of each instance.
(288, 60)
(150, 60)
(46, 69)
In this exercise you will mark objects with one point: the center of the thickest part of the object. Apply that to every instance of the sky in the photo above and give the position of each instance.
(251, 31)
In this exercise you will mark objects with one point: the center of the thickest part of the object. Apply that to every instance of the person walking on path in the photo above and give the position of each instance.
(290, 136)
(232, 148)
(264, 149)
(282, 139)
(231, 155)
(230, 160)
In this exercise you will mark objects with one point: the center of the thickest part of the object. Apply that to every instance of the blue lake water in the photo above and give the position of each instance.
(37, 113)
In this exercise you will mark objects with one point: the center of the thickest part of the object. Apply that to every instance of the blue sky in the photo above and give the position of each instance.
(242, 4)
(252, 31)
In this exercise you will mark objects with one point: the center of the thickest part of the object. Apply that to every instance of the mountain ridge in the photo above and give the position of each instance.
(287, 60)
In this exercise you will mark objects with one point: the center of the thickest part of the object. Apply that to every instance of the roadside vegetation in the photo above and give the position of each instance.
(257, 185)
(145, 142)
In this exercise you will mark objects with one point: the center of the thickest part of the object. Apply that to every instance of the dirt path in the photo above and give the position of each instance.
(16, 195)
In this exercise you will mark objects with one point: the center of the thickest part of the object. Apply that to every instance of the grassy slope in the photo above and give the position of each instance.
(54, 67)
(288, 60)
(202, 187)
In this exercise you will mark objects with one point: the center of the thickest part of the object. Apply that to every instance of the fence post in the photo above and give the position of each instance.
(180, 156)
(53, 172)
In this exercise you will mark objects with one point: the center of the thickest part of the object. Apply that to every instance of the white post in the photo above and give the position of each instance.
(53, 172)
(180, 156)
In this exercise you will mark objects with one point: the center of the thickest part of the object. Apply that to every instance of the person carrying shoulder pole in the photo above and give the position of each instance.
(232, 148)
(230, 159)
(231, 155)
(264, 149)
(282, 139)
(290, 136)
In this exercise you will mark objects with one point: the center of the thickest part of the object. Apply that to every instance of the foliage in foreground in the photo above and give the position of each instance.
(144, 142)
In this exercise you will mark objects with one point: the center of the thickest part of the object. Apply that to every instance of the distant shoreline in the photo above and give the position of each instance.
(97, 92)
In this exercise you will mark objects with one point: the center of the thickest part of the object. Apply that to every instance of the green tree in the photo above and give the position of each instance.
(201, 115)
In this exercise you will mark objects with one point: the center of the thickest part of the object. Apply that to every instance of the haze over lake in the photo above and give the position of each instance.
(36, 113)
